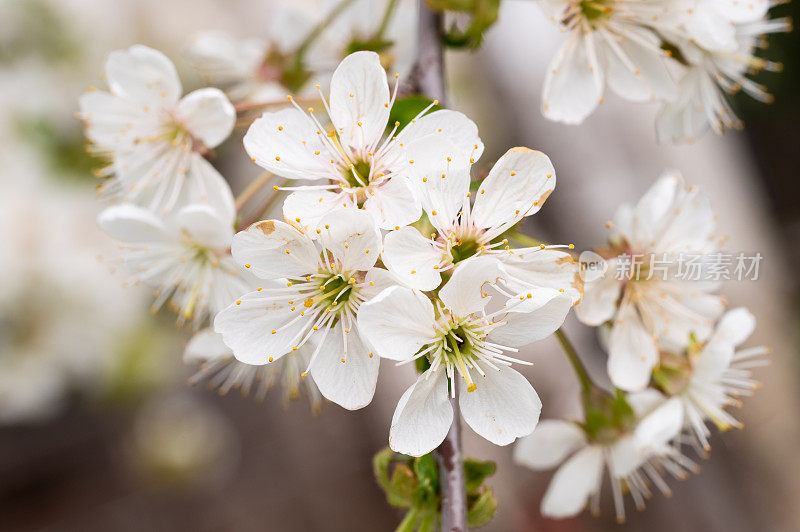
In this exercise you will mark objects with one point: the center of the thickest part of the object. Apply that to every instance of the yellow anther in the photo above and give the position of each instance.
(238, 301)
(246, 265)
(270, 359)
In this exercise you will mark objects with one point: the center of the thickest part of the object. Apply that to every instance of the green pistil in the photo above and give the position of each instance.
(457, 340)
(594, 9)
(464, 250)
(362, 169)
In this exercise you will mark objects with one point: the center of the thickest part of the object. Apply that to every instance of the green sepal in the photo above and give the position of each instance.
(405, 109)
(475, 472)
(482, 510)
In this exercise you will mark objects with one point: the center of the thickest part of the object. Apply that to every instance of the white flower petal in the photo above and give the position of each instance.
(398, 322)
(600, 296)
(440, 177)
(632, 352)
(423, 416)
(645, 76)
(551, 442)
(502, 408)
(305, 208)
(464, 292)
(393, 204)
(574, 483)
(733, 329)
(262, 250)
(208, 115)
(572, 89)
(406, 251)
(517, 186)
(114, 122)
(130, 223)
(533, 319)
(548, 268)
(204, 226)
(288, 144)
(710, 29)
(144, 75)
(376, 281)
(247, 324)
(659, 427)
(452, 125)
(359, 99)
(205, 345)
(353, 238)
(350, 384)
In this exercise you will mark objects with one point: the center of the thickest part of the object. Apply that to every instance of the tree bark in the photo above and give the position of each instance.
(427, 79)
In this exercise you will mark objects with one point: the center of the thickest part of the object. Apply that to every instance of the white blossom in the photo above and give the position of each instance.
(712, 72)
(183, 255)
(325, 282)
(356, 167)
(517, 186)
(714, 375)
(154, 138)
(219, 369)
(608, 41)
(634, 458)
(646, 298)
(460, 336)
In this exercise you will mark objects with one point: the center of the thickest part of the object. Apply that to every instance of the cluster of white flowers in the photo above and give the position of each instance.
(671, 357)
(393, 252)
(685, 53)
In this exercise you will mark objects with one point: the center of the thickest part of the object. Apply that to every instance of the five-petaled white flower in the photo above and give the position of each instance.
(220, 370)
(517, 186)
(609, 41)
(358, 168)
(712, 376)
(155, 138)
(325, 282)
(710, 74)
(650, 293)
(459, 336)
(184, 255)
(635, 458)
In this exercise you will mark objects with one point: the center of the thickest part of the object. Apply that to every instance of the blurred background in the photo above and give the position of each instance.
(99, 429)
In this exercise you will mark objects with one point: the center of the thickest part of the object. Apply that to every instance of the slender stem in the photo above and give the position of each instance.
(387, 17)
(270, 201)
(427, 78)
(577, 365)
(319, 28)
(451, 476)
(251, 189)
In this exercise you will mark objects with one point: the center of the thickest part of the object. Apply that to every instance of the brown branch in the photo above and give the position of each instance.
(427, 79)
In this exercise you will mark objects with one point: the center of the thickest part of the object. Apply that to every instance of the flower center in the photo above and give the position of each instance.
(357, 175)
(464, 249)
(332, 291)
(457, 347)
(593, 10)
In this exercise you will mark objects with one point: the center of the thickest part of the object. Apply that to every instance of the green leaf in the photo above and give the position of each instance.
(409, 522)
(428, 522)
(475, 472)
(483, 15)
(482, 510)
(403, 488)
(406, 109)
(427, 493)
(380, 467)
